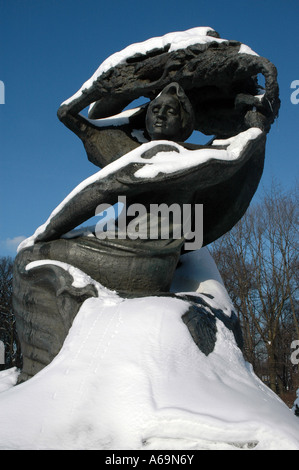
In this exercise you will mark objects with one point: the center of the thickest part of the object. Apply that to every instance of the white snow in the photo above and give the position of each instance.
(246, 50)
(8, 378)
(163, 162)
(80, 279)
(117, 120)
(177, 40)
(260, 97)
(120, 119)
(198, 273)
(129, 376)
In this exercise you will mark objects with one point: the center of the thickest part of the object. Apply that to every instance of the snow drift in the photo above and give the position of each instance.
(129, 376)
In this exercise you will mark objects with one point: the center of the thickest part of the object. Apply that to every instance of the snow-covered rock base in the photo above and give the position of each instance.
(129, 376)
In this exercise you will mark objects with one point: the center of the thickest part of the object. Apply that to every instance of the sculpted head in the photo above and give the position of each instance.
(170, 115)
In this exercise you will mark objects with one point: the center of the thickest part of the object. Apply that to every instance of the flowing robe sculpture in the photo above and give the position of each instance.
(193, 81)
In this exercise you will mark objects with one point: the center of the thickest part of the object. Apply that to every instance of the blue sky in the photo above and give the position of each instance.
(49, 48)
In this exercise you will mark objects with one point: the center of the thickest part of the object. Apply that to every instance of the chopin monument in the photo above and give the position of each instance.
(144, 275)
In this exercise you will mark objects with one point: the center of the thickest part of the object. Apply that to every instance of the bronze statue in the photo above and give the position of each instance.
(187, 89)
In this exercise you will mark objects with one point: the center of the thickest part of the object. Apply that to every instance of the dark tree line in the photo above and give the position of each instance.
(8, 335)
(258, 261)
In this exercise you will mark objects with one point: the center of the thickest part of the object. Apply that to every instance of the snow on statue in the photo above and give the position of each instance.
(129, 376)
(131, 341)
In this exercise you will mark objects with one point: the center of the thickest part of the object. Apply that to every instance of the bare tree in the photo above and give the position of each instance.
(6, 270)
(258, 260)
(8, 335)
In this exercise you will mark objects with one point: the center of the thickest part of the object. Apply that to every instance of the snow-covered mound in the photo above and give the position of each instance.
(129, 376)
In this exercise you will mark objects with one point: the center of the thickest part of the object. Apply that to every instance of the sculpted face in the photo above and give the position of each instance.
(163, 119)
